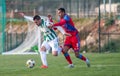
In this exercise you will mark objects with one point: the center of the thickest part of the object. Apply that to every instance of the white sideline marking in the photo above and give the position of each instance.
(99, 65)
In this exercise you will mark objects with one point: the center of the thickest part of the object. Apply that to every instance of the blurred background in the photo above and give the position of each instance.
(76, 8)
(96, 20)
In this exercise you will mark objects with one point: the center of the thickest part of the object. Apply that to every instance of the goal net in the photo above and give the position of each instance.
(33, 38)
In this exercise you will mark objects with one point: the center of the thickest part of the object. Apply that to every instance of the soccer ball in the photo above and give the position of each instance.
(30, 63)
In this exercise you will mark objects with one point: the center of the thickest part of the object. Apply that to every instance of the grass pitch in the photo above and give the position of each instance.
(101, 65)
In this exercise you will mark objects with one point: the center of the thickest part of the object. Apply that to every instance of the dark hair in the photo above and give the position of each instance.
(37, 17)
(62, 9)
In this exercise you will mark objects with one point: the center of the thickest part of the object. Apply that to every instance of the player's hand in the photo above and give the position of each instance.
(50, 26)
(22, 14)
(67, 34)
(49, 16)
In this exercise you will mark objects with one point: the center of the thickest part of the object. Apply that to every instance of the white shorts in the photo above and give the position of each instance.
(51, 44)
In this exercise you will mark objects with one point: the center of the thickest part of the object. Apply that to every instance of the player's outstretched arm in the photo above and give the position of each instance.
(22, 14)
(26, 17)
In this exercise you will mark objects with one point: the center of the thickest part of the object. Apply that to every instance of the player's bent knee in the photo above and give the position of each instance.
(77, 56)
(55, 54)
(43, 49)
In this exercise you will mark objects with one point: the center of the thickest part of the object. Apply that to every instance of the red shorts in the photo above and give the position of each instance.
(73, 42)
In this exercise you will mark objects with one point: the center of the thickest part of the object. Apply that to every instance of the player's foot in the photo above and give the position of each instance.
(88, 62)
(44, 66)
(70, 66)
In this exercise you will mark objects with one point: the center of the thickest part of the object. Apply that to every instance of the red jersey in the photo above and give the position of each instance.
(67, 24)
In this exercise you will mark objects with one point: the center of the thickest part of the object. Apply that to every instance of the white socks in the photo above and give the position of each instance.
(43, 58)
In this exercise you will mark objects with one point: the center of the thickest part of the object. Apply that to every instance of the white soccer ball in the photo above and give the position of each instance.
(30, 63)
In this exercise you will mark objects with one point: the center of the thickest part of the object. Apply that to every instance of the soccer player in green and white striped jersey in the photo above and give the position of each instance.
(49, 34)
(50, 39)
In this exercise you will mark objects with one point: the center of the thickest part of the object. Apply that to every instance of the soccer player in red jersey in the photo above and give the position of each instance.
(72, 39)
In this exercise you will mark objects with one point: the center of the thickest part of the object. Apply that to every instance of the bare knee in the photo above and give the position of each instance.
(77, 54)
(65, 49)
(42, 48)
(55, 53)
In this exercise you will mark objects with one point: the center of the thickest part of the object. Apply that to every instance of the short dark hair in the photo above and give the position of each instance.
(62, 9)
(37, 17)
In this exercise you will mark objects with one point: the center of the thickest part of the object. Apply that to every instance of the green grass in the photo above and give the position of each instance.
(101, 65)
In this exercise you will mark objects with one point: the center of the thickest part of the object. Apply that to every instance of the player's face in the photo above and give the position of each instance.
(60, 13)
(37, 22)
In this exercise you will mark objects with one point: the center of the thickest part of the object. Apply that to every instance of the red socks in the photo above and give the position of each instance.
(67, 56)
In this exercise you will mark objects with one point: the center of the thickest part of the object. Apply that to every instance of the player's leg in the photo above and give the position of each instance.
(76, 48)
(80, 56)
(55, 47)
(65, 48)
(67, 56)
(43, 55)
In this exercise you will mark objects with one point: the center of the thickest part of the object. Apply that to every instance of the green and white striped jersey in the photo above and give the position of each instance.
(49, 34)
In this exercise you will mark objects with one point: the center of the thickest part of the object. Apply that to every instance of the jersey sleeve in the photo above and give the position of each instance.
(28, 18)
(66, 18)
(62, 22)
